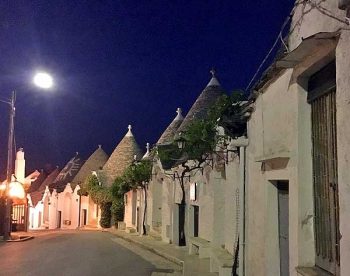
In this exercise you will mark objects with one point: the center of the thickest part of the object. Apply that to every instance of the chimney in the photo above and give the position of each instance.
(20, 165)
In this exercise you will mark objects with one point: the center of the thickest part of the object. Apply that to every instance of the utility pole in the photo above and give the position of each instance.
(8, 202)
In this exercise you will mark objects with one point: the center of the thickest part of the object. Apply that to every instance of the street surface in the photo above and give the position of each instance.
(71, 253)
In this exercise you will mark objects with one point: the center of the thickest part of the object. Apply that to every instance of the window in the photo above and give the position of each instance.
(322, 97)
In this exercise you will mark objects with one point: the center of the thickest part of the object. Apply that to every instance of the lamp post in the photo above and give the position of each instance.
(8, 201)
(41, 80)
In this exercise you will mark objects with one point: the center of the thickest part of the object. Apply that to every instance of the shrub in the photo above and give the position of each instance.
(106, 216)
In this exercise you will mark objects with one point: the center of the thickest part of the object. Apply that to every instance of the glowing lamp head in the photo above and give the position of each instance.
(2, 187)
(16, 190)
(43, 80)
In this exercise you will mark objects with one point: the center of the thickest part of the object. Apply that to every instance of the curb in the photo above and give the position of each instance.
(151, 249)
(22, 239)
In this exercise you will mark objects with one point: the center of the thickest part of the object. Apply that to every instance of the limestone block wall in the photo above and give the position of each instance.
(130, 207)
(343, 142)
(36, 216)
(231, 203)
(272, 132)
(167, 211)
(140, 213)
(150, 204)
(94, 213)
(218, 231)
(205, 202)
(156, 206)
(84, 204)
(53, 210)
(75, 209)
(68, 204)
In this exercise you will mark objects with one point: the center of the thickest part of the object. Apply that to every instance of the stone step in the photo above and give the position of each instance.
(130, 230)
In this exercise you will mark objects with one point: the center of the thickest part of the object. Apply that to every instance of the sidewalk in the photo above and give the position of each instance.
(191, 264)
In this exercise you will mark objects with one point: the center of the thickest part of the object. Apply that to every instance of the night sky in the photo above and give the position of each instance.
(121, 62)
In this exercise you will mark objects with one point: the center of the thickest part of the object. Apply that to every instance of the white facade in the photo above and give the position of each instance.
(211, 227)
(65, 210)
(134, 201)
(267, 185)
(39, 215)
(280, 150)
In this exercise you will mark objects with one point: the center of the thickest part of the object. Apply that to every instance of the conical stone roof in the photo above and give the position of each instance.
(49, 179)
(37, 183)
(37, 195)
(67, 174)
(168, 135)
(121, 158)
(95, 162)
(206, 99)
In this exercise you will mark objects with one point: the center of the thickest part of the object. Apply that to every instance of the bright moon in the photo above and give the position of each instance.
(43, 80)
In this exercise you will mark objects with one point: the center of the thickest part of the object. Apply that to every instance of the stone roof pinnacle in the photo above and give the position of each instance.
(214, 81)
(179, 114)
(129, 133)
(146, 155)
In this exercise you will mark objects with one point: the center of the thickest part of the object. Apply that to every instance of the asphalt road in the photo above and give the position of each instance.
(71, 253)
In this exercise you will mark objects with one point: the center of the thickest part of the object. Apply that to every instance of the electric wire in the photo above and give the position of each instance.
(4, 101)
(269, 53)
(288, 18)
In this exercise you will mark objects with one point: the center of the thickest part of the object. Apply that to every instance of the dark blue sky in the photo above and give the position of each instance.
(121, 62)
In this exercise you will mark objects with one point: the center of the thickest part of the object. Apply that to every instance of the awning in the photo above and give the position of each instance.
(317, 42)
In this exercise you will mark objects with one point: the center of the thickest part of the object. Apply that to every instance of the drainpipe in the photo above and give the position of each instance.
(241, 143)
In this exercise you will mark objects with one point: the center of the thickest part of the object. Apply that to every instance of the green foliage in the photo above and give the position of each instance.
(234, 114)
(169, 155)
(98, 193)
(117, 210)
(135, 175)
(138, 173)
(105, 220)
(201, 136)
(101, 196)
(119, 187)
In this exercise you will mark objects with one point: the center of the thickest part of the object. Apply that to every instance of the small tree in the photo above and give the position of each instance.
(200, 138)
(138, 175)
(118, 189)
(101, 196)
(105, 220)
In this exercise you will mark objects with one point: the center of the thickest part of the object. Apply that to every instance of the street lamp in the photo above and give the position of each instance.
(16, 190)
(41, 80)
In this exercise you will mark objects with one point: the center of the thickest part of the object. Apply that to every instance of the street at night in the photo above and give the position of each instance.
(71, 253)
(168, 138)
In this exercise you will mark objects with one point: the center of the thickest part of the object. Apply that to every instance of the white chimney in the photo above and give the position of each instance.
(20, 165)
